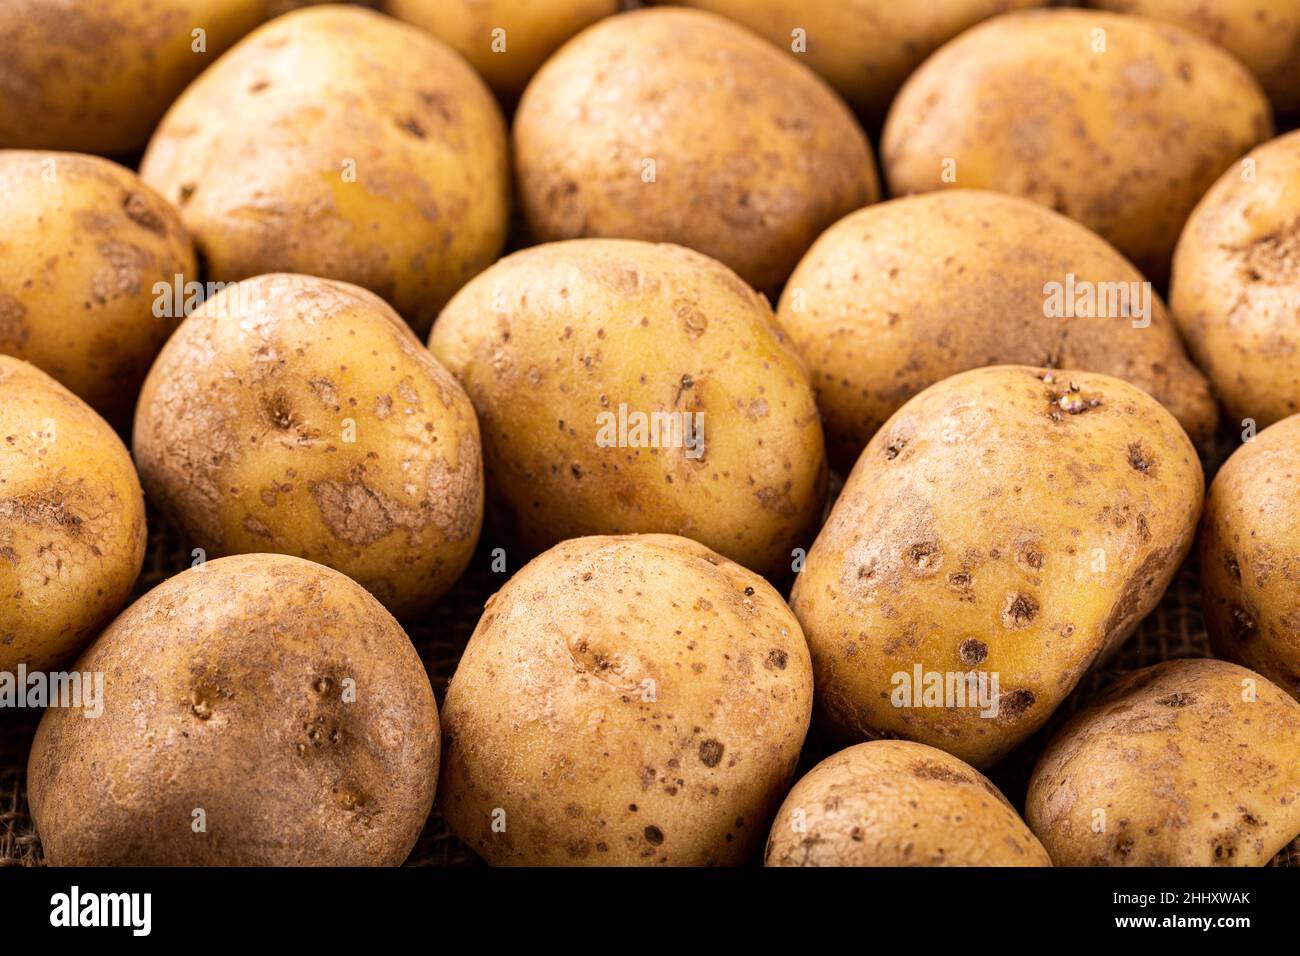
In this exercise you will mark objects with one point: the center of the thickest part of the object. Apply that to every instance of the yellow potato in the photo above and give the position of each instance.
(269, 699)
(1187, 763)
(338, 142)
(83, 247)
(624, 386)
(678, 126)
(72, 532)
(301, 416)
(1119, 122)
(1235, 291)
(625, 700)
(1006, 528)
(505, 40)
(899, 803)
(897, 296)
(1250, 556)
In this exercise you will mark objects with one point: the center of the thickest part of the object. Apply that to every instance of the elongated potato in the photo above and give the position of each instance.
(1186, 763)
(899, 803)
(1250, 556)
(1005, 529)
(625, 700)
(897, 296)
(1119, 122)
(623, 386)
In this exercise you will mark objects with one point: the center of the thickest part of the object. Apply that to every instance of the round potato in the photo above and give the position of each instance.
(1250, 556)
(97, 77)
(259, 710)
(1187, 763)
(1263, 34)
(679, 126)
(364, 150)
(897, 296)
(899, 803)
(85, 245)
(1005, 529)
(300, 416)
(1119, 122)
(623, 386)
(625, 700)
(72, 527)
(505, 40)
(1236, 283)
(864, 48)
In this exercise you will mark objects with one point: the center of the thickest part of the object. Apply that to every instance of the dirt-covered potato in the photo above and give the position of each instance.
(1005, 529)
(72, 528)
(83, 246)
(1119, 122)
(338, 142)
(257, 710)
(625, 700)
(623, 386)
(897, 296)
(865, 48)
(678, 126)
(301, 416)
(1186, 763)
(505, 40)
(1250, 556)
(1236, 283)
(1263, 34)
(899, 803)
(97, 76)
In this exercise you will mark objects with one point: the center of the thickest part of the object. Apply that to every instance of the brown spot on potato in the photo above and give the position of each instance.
(1019, 611)
(653, 835)
(13, 327)
(141, 211)
(972, 652)
(711, 752)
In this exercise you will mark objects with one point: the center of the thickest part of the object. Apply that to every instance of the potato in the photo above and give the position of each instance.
(897, 296)
(505, 40)
(1006, 528)
(1250, 556)
(865, 49)
(1263, 34)
(83, 244)
(300, 416)
(258, 710)
(899, 803)
(623, 386)
(1235, 291)
(625, 700)
(678, 126)
(1187, 763)
(364, 150)
(72, 531)
(1119, 122)
(98, 76)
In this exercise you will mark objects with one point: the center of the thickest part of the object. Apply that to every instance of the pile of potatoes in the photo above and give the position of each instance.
(759, 436)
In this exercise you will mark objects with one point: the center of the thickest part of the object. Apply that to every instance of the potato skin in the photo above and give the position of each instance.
(899, 803)
(226, 689)
(550, 339)
(863, 48)
(533, 31)
(299, 415)
(1263, 34)
(1124, 141)
(625, 700)
(1234, 290)
(999, 523)
(1186, 770)
(84, 242)
(1250, 556)
(899, 295)
(754, 155)
(365, 151)
(72, 523)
